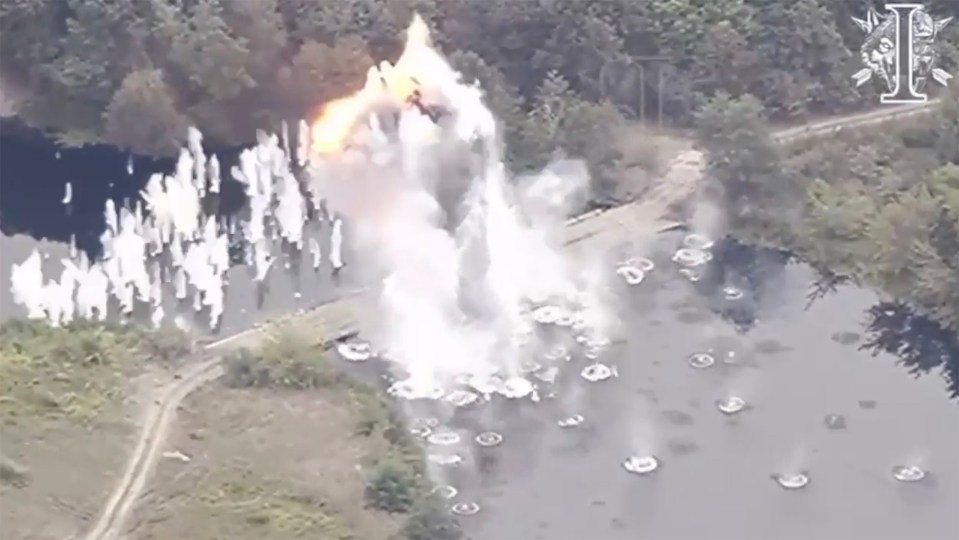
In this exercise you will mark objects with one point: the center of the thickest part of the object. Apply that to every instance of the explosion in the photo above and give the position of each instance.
(389, 84)
(468, 254)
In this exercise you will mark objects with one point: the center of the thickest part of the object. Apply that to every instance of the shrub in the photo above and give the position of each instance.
(392, 487)
(431, 521)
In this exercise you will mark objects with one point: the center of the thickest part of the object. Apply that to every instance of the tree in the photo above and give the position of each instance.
(498, 95)
(143, 116)
(319, 73)
(745, 163)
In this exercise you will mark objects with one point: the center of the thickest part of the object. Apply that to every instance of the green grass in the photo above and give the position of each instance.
(78, 372)
(249, 504)
(396, 479)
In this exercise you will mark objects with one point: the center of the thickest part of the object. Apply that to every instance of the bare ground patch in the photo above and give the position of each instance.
(69, 405)
(257, 463)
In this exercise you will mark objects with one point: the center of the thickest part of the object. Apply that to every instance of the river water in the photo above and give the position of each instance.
(794, 367)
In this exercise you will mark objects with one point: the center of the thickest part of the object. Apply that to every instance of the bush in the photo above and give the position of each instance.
(431, 521)
(392, 487)
(285, 361)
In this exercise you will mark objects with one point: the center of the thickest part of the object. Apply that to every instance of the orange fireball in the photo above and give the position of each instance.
(333, 129)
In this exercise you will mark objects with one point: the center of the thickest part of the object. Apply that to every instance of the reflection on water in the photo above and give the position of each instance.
(920, 344)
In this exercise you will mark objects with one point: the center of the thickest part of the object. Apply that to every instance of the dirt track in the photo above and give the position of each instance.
(341, 316)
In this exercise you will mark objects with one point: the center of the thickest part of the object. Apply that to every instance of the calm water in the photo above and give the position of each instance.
(796, 367)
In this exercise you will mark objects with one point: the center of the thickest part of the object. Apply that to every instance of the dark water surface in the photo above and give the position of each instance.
(818, 403)
(32, 181)
(796, 366)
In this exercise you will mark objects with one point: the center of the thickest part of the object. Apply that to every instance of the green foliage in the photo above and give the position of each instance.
(287, 360)
(744, 163)
(392, 487)
(252, 503)
(880, 208)
(232, 67)
(77, 373)
(430, 520)
(143, 116)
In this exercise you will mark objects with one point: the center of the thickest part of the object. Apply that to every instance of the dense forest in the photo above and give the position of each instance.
(878, 207)
(134, 72)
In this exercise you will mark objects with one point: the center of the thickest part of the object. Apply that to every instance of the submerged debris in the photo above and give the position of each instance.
(835, 421)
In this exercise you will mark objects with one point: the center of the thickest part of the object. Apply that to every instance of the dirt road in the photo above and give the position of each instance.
(341, 316)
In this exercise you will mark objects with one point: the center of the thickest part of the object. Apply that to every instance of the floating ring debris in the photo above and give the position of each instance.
(908, 473)
(792, 480)
(405, 389)
(461, 398)
(465, 509)
(690, 274)
(445, 492)
(445, 460)
(491, 384)
(732, 293)
(489, 438)
(570, 421)
(565, 319)
(631, 275)
(641, 464)
(548, 314)
(644, 264)
(701, 360)
(421, 431)
(698, 241)
(691, 257)
(731, 405)
(515, 388)
(444, 438)
(354, 351)
(529, 366)
(557, 353)
(596, 372)
(547, 375)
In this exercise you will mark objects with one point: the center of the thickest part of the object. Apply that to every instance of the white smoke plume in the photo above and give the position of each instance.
(466, 251)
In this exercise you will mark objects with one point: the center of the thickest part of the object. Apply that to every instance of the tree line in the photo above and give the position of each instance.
(878, 206)
(134, 72)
